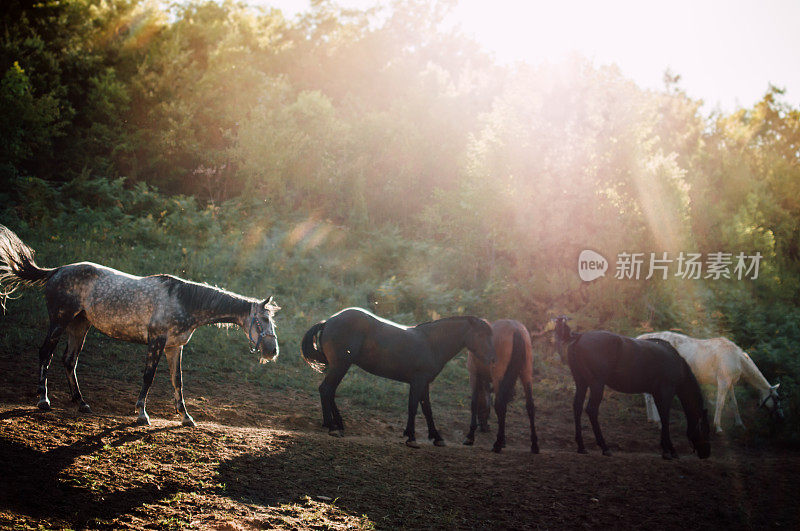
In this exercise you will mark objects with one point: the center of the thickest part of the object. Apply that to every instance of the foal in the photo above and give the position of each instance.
(160, 311)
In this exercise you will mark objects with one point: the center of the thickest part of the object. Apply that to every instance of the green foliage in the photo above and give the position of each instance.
(27, 123)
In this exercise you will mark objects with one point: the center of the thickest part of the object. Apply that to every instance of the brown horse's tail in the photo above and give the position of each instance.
(514, 368)
(312, 349)
(17, 266)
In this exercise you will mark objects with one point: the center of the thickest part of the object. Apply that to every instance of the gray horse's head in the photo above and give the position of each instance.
(261, 329)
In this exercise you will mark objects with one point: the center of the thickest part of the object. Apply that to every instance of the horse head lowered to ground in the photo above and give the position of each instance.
(160, 311)
(719, 361)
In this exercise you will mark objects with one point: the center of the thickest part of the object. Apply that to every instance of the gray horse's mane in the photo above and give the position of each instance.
(195, 296)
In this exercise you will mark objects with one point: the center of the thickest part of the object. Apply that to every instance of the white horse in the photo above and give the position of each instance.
(718, 361)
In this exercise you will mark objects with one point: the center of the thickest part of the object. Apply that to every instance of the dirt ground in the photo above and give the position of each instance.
(259, 459)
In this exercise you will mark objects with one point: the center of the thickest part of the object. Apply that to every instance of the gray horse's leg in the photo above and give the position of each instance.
(76, 335)
(722, 394)
(174, 356)
(45, 356)
(650, 406)
(154, 350)
(737, 418)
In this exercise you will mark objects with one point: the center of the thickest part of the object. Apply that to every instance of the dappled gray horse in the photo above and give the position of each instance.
(160, 311)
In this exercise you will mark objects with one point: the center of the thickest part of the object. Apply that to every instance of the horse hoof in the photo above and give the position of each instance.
(607, 453)
(188, 421)
(84, 408)
(534, 449)
(336, 433)
(583, 451)
(439, 442)
(142, 421)
(496, 448)
(468, 442)
(44, 405)
(412, 444)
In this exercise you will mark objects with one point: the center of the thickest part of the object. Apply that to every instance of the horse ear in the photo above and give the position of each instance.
(775, 387)
(269, 304)
(477, 322)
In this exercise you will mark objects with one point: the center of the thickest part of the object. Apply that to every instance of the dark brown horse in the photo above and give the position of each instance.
(160, 311)
(512, 347)
(414, 355)
(600, 358)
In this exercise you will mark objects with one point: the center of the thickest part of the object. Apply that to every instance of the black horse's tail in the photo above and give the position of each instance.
(17, 266)
(515, 365)
(312, 349)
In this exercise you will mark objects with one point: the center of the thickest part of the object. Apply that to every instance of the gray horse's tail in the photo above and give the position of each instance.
(312, 349)
(17, 266)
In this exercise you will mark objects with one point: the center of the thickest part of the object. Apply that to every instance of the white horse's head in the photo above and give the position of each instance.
(772, 402)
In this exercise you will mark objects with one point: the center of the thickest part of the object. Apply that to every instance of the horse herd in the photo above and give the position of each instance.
(162, 312)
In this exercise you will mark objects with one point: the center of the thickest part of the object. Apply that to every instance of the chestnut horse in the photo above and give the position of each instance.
(414, 355)
(160, 311)
(512, 347)
(600, 358)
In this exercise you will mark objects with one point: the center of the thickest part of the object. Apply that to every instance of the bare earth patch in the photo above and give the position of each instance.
(260, 460)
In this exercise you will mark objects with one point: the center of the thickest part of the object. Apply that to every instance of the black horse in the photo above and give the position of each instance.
(414, 355)
(600, 358)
